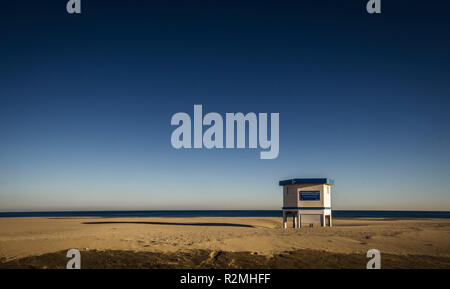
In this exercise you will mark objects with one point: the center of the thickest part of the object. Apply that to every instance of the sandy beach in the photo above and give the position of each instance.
(232, 242)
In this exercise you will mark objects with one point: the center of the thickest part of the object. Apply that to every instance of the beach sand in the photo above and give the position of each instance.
(217, 242)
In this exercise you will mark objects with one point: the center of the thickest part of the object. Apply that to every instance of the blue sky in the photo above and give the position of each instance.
(86, 102)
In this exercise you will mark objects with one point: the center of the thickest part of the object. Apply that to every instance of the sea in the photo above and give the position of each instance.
(230, 213)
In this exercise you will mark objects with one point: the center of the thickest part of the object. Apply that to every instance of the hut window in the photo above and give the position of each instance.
(309, 195)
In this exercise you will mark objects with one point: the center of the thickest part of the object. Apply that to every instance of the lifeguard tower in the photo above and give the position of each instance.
(308, 201)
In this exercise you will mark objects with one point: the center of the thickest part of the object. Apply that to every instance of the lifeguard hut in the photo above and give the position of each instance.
(308, 201)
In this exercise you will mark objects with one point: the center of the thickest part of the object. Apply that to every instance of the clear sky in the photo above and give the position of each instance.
(86, 102)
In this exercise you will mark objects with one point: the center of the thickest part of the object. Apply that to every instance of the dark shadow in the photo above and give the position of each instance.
(175, 224)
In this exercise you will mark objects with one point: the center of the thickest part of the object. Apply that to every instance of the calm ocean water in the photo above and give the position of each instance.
(228, 213)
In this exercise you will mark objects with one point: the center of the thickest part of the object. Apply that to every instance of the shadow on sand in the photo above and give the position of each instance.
(175, 224)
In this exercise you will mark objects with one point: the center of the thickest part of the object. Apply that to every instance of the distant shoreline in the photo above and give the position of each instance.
(231, 213)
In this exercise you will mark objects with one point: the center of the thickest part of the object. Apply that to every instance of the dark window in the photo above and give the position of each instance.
(309, 195)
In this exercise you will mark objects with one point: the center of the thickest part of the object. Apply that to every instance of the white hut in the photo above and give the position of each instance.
(308, 201)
